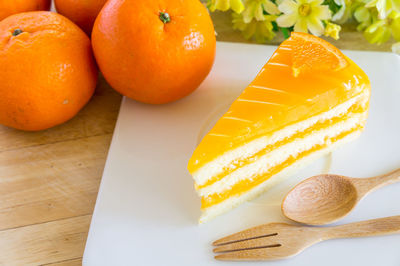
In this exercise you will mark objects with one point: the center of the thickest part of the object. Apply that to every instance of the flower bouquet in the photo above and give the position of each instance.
(260, 20)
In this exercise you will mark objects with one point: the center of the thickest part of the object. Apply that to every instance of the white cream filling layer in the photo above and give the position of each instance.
(235, 201)
(230, 159)
(278, 156)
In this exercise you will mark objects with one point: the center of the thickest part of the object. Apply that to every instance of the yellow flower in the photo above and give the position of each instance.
(364, 16)
(382, 29)
(396, 48)
(332, 30)
(255, 10)
(384, 7)
(304, 15)
(260, 30)
(224, 5)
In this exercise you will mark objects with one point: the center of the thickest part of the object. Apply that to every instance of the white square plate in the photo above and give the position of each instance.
(147, 209)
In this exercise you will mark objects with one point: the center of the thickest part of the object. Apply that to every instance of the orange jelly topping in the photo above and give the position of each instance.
(277, 98)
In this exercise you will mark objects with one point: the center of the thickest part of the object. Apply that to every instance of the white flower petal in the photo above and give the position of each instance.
(286, 21)
(383, 11)
(340, 2)
(339, 15)
(322, 12)
(271, 8)
(288, 7)
(396, 48)
(317, 2)
(301, 25)
(316, 27)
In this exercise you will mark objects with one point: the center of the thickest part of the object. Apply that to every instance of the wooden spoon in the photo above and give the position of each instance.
(324, 199)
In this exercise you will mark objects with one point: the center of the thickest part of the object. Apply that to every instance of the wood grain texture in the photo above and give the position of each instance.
(326, 198)
(50, 181)
(276, 240)
(54, 174)
(71, 262)
(368, 185)
(321, 199)
(44, 243)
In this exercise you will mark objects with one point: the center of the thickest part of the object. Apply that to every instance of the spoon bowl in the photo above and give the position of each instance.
(320, 199)
(326, 198)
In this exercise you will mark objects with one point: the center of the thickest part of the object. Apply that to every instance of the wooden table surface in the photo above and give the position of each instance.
(49, 180)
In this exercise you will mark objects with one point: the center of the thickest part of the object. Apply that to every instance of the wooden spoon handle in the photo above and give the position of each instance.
(382, 226)
(366, 185)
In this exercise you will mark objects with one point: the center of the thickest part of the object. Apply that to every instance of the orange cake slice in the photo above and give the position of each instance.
(308, 99)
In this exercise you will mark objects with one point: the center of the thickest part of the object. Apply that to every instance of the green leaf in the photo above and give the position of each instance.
(332, 5)
(285, 32)
(275, 26)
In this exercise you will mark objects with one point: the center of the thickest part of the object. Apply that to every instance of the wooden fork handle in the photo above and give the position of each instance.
(382, 226)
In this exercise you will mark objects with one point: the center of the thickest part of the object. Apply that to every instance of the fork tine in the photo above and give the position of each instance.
(268, 241)
(267, 253)
(251, 233)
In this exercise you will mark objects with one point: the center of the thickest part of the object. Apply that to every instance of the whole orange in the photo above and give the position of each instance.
(11, 7)
(47, 70)
(83, 13)
(154, 51)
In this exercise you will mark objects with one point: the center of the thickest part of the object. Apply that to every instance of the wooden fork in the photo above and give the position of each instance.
(279, 240)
